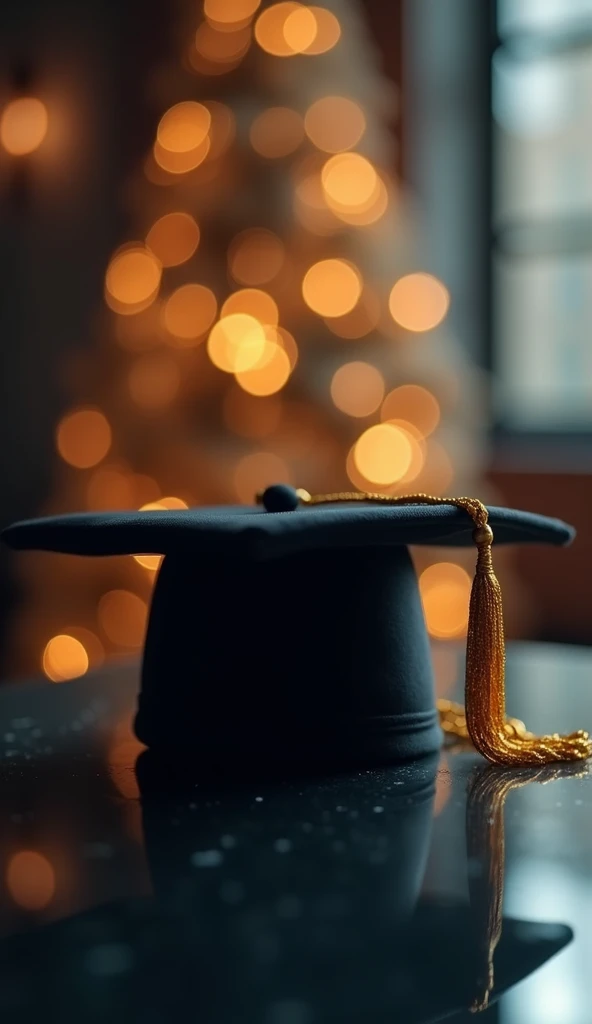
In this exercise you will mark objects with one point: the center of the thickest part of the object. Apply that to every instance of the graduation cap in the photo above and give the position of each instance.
(291, 632)
(288, 902)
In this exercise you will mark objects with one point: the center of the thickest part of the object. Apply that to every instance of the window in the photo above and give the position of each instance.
(542, 215)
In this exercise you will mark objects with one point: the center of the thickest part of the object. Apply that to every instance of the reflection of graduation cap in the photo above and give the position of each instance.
(293, 632)
(291, 903)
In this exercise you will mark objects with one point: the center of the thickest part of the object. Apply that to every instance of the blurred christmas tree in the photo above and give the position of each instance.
(274, 321)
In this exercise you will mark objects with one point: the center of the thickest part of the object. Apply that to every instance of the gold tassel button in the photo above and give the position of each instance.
(501, 740)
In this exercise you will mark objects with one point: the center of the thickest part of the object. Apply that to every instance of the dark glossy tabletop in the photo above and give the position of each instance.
(407, 895)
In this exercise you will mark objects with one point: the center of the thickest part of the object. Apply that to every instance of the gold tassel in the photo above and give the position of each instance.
(502, 741)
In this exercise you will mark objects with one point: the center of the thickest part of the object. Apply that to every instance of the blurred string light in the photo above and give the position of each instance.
(83, 438)
(23, 125)
(122, 616)
(334, 123)
(255, 256)
(332, 287)
(132, 280)
(165, 504)
(217, 52)
(361, 320)
(353, 189)
(418, 302)
(276, 132)
(227, 15)
(173, 238)
(236, 343)
(445, 590)
(182, 137)
(383, 453)
(30, 880)
(288, 29)
(415, 404)
(270, 372)
(254, 302)
(189, 312)
(357, 388)
(64, 657)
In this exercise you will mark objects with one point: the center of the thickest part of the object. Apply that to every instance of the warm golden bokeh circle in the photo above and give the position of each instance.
(383, 454)
(183, 127)
(328, 31)
(64, 657)
(334, 123)
(255, 256)
(415, 404)
(189, 312)
(445, 593)
(222, 46)
(269, 374)
(83, 438)
(357, 388)
(332, 287)
(30, 880)
(122, 616)
(236, 343)
(183, 162)
(132, 280)
(270, 28)
(276, 132)
(173, 238)
(419, 302)
(350, 183)
(23, 125)
(254, 302)
(229, 13)
(300, 29)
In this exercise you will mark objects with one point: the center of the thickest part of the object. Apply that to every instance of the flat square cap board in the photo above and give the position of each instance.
(292, 631)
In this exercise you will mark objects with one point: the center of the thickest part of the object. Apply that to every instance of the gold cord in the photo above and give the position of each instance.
(501, 740)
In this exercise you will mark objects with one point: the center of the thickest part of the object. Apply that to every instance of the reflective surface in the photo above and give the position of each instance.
(411, 894)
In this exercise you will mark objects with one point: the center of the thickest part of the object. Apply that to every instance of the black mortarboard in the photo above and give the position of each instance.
(292, 632)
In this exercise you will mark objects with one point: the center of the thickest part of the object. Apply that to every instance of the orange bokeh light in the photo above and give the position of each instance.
(150, 562)
(255, 256)
(222, 46)
(328, 31)
(181, 163)
(270, 373)
(334, 123)
(360, 321)
(253, 302)
(30, 880)
(23, 125)
(64, 657)
(229, 13)
(419, 302)
(122, 616)
(445, 590)
(190, 312)
(164, 504)
(357, 388)
(173, 238)
(300, 29)
(254, 472)
(350, 183)
(132, 280)
(270, 29)
(222, 130)
(276, 132)
(415, 404)
(83, 438)
(237, 343)
(184, 127)
(154, 381)
(332, 287)
(383, 454)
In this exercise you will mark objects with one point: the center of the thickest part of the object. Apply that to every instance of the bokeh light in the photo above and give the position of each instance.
(83, 438)
(30, 880)
(154, 381)
(276, 132)
(332, 287)
(132, 280)
(357, 388)
(300, 29)
(64, 657)
(334, 123)
(310, 205)
(189, 313)
(361, 320)
(183, 127)
(221, 46)
(164, 504)
(23, 125)
(418, 302)
(229, 13)
(150, 562)
(222, 128)
(256, 471)
(350, 183)
(253, 302)
(328, 31)
(251, 416)
(270, 29)
(445, 590)
(383, 454)
(237, 343)
(418, 450)
(122, 616)
(110, 488)
(255, 256)
(415, 404)
(269, 374)
(181, 163)
(173, 238)
(367, 213)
